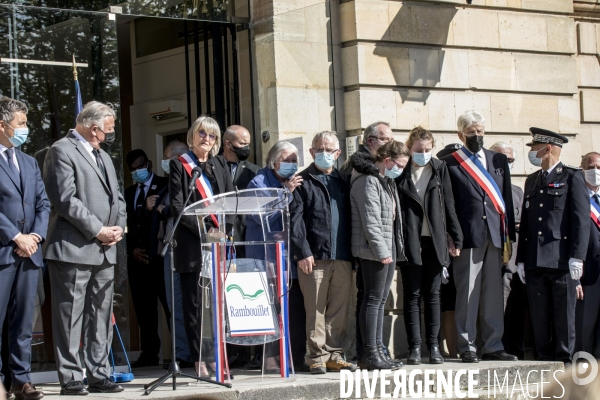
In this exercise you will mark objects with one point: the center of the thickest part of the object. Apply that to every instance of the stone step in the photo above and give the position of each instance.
(250, 385)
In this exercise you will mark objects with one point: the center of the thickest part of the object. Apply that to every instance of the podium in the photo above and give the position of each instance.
(244, 299)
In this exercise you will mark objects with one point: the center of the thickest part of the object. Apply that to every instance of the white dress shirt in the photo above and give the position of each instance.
(14, 157)
(85, 144)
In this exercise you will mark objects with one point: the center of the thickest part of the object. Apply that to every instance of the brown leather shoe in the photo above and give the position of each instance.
(26, 392)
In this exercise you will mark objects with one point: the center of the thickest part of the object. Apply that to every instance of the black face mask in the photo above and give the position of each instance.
(474, 143)
(109, 139)
(242, 153)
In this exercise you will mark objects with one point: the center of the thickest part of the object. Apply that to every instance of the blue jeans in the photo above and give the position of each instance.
(181, 345)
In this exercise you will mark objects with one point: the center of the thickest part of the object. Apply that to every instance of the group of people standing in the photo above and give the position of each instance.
(452, 219)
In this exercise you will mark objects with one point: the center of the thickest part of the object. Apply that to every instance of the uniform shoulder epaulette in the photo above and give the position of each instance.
(571, 167)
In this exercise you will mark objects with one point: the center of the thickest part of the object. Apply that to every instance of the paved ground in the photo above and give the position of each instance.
(250, 385)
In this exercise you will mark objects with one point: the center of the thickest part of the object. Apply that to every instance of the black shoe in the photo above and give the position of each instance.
(435, 357)
(256, 363)
(74, 388)
(499, 355)
(389, 358)
(10, 396)
(372, 359)
(415, 356)
(469, 357)
(105, 386)
(145, 361)
(301, 368)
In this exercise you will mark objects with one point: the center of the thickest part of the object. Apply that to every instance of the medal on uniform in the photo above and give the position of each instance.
(527, 204)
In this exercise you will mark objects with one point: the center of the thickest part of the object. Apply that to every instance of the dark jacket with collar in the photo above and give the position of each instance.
(244, 173)
(555, 220)
(188, 255)
(348, 166)
(474, 209)
(591, 265)
(311, 221)
(437, 207)
(139, 222)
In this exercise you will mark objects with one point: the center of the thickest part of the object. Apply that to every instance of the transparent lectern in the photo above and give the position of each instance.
(244, 280)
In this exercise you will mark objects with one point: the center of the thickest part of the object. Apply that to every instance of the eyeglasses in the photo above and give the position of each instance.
(203, 135)
(511, 160)
(328, 151)
(397, 165)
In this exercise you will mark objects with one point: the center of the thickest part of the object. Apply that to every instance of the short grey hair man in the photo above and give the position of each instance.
(9, 107)
(470, 118)
(95, 113)
(373, 136)
(277, 149)
(507, 149)
(329, 135)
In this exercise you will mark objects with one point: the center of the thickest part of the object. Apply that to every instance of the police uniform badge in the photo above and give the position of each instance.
(527, 204)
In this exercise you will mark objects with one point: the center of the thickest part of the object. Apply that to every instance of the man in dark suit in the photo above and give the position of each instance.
(478, 269)
(24, 212)
(86, 222)
(145, 268)
(553, 242)
(515, 299)
(587, 313)
(236, 150)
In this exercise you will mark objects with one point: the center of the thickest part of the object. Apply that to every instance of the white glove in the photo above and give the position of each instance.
(521, 271)
(445, 276)
(576, 267)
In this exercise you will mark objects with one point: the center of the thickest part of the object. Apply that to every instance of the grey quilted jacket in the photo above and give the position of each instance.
(374, 229)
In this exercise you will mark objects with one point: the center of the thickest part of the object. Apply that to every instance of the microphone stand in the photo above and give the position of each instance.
(174, 371)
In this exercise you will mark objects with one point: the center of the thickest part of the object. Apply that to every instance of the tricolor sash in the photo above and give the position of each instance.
(595, 212)
(202, 184)
(471, 164)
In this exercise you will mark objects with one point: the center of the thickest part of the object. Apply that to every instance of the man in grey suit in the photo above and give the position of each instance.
(86, 221)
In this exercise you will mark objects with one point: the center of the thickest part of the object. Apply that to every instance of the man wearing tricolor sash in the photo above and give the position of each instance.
(553, 242)
(587, 313)
(483, 197)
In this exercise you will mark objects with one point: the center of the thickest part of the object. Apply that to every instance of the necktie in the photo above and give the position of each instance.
(596, 199)
(139, 204)
(9, 160)
(101, 166)
(544, 176)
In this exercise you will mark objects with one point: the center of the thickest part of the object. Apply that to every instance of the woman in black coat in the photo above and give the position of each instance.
(432, 233)
(204, 139)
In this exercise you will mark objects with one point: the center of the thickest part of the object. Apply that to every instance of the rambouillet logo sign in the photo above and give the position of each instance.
(249, 305)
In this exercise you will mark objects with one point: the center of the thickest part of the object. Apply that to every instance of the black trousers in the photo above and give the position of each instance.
(552, 298)
(377, 278)
(191, 303)
(513, 338)
(147, 284)
(422, 281)
(587, 317)
(297, 323)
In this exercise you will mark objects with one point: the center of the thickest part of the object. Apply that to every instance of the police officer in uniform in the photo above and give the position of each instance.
(553, 242)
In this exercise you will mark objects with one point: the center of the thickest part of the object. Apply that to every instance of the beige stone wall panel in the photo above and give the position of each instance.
(590, 105)
(424, 67)
(352, 115)
(512, 113)
(486, 33)
(297, 110)
(302, 64)
(523, 31)
(588, 68)
(491, 70)
(441, 111)
(410, 114)
(554, 74)
(569, 114)
(587, 38)
(420, 23)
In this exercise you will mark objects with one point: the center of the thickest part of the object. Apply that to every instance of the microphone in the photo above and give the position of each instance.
(196, 172)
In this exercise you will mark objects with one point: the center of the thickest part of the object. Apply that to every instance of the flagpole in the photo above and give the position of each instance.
(74, 68)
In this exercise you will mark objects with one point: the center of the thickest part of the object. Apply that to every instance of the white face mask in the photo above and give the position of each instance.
(534, 159)
(592, 176)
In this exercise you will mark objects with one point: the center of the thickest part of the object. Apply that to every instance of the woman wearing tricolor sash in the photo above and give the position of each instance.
(204, 140)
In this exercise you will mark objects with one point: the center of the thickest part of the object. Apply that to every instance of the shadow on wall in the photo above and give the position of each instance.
(412, 66)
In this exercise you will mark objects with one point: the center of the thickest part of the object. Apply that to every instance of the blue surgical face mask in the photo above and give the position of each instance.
(287, 169)
(19, 137)
(534, 159)
(394, 172)
(140, 175)
(165, 165)
(421, 159)
(324, 160)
